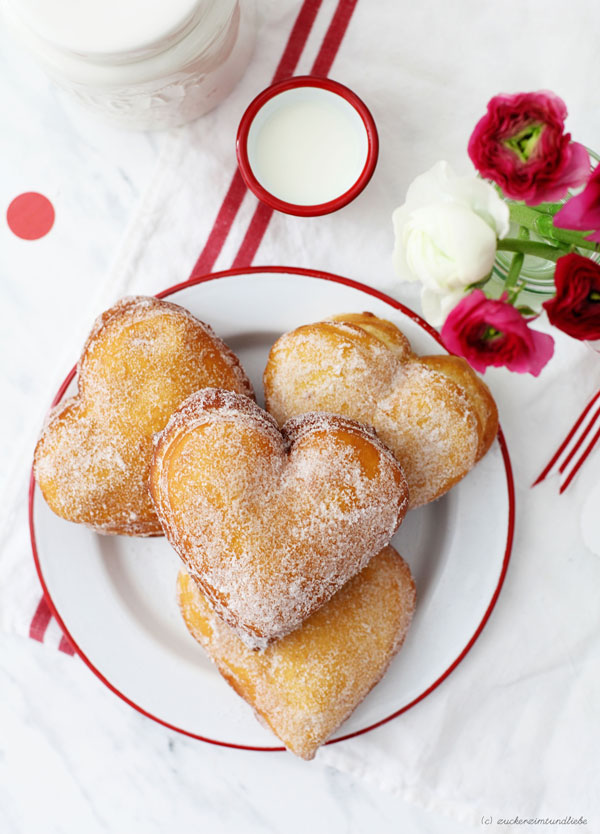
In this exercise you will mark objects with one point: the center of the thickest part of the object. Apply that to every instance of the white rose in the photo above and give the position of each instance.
(446, 234)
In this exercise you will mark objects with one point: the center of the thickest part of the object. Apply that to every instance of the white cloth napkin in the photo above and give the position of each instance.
(514, 732)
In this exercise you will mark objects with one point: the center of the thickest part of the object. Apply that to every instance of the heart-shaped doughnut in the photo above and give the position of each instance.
(434, 412)
(306, 684)
(141, 360)
(272, 523)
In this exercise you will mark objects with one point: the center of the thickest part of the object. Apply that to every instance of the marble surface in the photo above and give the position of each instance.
(74, 758)
(94, 176)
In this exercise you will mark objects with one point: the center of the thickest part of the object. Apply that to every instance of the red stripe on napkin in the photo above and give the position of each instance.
(220, 230)
(40, 620)
(254, 235)
(321, 66)
(237, 189)
(333, 38)
(39, 625)
(65, 646)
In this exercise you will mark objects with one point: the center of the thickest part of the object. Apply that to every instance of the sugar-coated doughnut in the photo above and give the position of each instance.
(306, 684)
(433, 412)
(141, 360)
(272, 523)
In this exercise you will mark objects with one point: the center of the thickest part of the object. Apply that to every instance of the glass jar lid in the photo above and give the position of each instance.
(106, 29)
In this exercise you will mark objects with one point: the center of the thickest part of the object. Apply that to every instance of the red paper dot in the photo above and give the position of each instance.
(30, 216)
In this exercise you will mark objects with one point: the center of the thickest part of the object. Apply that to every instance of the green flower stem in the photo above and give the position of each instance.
(526, 216)
(515, 268)
(531, 247)
(542, 224)
(549, 208)
(547, 229)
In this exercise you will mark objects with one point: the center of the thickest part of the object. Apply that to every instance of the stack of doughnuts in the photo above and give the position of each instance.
(282, 518)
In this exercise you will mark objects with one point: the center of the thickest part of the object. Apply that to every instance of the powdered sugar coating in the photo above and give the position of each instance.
(141, 359)
(431, 427)
(306, 684)
(271, 524)
(434, 413)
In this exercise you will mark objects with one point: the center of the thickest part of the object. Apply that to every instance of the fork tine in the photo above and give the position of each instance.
(576, 446)
(580, 462)
(543, 474)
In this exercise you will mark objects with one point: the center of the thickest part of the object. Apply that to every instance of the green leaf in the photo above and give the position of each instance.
(477, 285)
(527, 311)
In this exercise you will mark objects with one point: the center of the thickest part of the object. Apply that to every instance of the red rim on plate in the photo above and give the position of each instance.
(294, 208)
(325, 276)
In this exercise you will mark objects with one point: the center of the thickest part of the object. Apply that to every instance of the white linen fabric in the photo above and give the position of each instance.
(515, 730)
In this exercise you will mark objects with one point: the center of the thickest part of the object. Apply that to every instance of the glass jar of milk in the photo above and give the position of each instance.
(142, 64)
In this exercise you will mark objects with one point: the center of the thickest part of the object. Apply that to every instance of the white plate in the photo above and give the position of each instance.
(114, 596)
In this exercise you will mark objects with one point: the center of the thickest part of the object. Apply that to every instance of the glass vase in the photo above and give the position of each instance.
(537, 274)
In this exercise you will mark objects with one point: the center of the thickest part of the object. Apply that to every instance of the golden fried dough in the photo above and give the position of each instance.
(141, 360)
(271, 524)
(306, 684)
(434, 412)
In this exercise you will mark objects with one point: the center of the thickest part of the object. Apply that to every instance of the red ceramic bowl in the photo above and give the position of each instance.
(331, 107)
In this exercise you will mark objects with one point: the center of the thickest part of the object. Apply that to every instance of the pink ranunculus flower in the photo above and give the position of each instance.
(583, 211)
(520, 144)
(492, 332)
